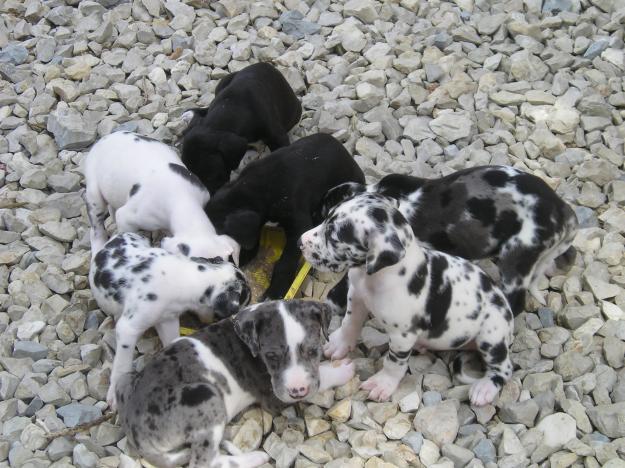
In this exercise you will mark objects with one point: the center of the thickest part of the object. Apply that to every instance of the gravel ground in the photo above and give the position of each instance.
(413, 87)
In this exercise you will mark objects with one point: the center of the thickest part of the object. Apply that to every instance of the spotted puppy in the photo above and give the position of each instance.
(255, 103)
(423, 298)
(143, 287)
(175, 410)
(144, 186)
(487, 211)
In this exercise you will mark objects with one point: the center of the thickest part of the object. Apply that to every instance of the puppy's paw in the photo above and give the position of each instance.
(253, 459)
(341, 372)
(336, 347)
(381, 386)
(483, 392)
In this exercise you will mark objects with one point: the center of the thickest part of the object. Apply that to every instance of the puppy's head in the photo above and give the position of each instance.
(367, 229)
(203, 246)
(286, 336)
(335, 196)
(226, 291)
(212, 155)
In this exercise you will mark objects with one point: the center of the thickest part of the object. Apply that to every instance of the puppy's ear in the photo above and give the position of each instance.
(336, 196)
(233, 148)
(244, 227)
(386, 248)
(245, 328)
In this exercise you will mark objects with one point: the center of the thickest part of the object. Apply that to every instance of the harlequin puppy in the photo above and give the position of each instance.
(143, 287)
(145, 187)
(255, 103)
(487, 211)
(423, 298)
(285, 187)
(175, 410)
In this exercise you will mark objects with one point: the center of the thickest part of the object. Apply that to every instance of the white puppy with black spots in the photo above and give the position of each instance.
(175, 410)
(143, 286)
(423, 298)
(143, 184)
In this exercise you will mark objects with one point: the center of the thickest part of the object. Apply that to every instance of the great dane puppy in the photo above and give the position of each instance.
(494, 212)
(422, 298)
(175, 410)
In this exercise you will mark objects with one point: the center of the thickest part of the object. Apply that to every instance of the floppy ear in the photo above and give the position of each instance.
(244, 227)
(325, 312)
(337, 195)
(233, 148)
(245, 328)
(385, 249)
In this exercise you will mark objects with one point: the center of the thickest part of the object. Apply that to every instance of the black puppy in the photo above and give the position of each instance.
(487, 211)
(285, 187)
(253, 104)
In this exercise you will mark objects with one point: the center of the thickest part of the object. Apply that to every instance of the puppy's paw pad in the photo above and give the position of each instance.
(380, 387)
(483, 392)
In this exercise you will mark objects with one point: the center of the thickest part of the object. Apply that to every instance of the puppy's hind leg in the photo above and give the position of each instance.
(127, 332)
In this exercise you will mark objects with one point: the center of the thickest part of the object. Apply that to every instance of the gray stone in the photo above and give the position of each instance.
(438, 423)
(485, 451)
(452, 126)
(83, 458)
(572, 364)
(70, 129)
(14, 53)
(608, 419)
(294, 25)
(523, 412)
(77, 413)
(29, 349)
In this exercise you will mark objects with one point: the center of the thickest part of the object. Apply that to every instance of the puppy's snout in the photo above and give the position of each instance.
(299, 392)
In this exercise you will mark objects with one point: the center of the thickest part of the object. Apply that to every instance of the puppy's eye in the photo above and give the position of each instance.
(273, 357)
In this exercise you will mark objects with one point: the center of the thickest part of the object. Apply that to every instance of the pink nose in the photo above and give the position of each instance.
(298, 392)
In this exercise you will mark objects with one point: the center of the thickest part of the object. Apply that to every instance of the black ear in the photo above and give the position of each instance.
(245, 328)
(233, 148)
(244, 227)
(384, 250)
(337, 195)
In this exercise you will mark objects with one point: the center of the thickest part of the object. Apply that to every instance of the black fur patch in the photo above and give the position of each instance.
(439, 297)
(459, 342)
(144, 265)
(496, 178)
(384, 259)
(134, 189)
(184, 249)
(418, 280)
(485, 282)
(151, 297)
(482, 209)
(498, 353)
(186, 174)
(154, 409)
(346, 234)
(146, 139)
(195, 395)
(506, 226)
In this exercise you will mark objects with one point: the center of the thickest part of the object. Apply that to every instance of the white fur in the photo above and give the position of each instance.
(164, 199)
(295, 376)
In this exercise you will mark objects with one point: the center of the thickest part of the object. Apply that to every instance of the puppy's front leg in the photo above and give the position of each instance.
(168, 331)
(382, 385)
(126, 335)
(343, 340)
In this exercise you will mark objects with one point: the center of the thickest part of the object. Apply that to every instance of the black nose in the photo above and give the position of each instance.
(300, 244)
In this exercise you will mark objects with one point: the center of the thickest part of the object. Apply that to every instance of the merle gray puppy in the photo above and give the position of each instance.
(424, 299)
(143, 286)
(175, 410)
(481, 212)
(255, 103)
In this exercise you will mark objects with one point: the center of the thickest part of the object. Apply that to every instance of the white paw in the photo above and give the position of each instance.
(483, 392)
(187, 116)
(256, 458)
(341, 372)
(110, 397)
(536, 294)
(337, 347)
(381, 386)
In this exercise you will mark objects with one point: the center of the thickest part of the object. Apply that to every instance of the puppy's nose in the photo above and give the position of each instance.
(299, 392)
(300, 244)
